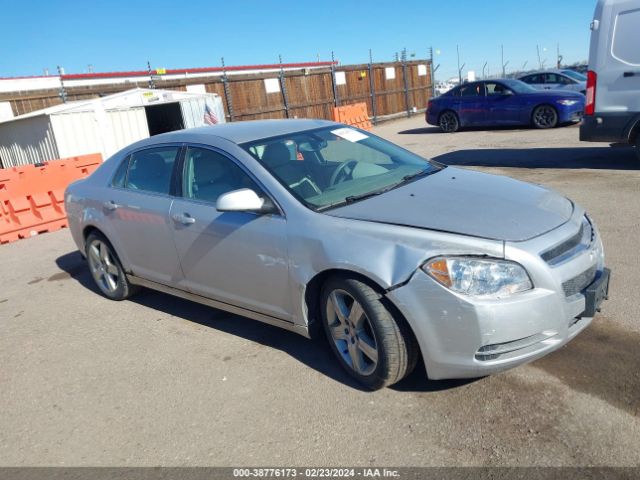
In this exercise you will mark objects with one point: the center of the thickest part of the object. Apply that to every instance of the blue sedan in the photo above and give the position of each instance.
(503, 102)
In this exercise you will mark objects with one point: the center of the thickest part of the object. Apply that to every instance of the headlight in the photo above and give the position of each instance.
(568, 103)
(478, 277)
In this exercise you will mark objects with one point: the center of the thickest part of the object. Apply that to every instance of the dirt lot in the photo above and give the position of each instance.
(162, 381)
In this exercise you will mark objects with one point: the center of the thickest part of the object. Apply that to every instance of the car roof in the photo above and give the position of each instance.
(549, 70)
(244, 131)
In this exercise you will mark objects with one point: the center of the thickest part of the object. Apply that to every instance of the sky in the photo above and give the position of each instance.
(118, 35)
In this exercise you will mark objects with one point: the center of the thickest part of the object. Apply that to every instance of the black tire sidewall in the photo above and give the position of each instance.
(533, 117)
(376, 314)
(124, 288)
(454, 116)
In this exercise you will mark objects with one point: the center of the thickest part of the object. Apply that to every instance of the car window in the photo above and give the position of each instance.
(150, 170)
(121, 174)
(495, 89)
(209, 174)
(473, 90)
(625, 37)
(575, 75)
(532, 79)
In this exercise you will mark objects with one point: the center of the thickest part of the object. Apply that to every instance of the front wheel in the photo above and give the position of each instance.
(449, 122)
(545, 116)
(374, 345)
(106, 270)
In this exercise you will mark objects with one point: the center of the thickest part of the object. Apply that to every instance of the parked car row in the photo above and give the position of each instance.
(503, 102)
(557, 80)
(607, 99)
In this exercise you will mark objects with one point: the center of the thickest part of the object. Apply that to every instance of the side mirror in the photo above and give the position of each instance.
(508, 92)
(244, 200)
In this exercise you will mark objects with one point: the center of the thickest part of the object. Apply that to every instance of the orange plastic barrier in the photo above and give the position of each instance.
(355, 115)
(32, 197)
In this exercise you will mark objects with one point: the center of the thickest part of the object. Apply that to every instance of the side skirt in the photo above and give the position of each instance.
(292, 327)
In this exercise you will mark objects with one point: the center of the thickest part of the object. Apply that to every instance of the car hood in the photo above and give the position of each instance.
(466, 202)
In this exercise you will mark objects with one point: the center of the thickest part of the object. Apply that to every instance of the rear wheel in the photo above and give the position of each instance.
(545, 116)
(106, 270)
(449, 122)
(372, 343)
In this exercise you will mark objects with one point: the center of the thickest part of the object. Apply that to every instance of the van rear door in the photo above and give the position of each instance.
(614, 57)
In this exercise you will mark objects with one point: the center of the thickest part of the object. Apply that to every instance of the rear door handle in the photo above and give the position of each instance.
(184, 219)
(630, 74)
(110, 205)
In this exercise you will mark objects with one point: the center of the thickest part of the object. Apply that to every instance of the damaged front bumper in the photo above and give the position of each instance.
(464, 337)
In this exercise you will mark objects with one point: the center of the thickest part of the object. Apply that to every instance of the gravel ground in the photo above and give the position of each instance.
(161, 381)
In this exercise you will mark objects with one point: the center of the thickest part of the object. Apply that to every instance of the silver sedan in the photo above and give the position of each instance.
(316, 227)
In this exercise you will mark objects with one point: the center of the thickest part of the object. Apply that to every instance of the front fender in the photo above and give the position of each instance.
(386, 254)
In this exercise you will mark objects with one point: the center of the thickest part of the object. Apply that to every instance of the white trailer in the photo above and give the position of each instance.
(103, 125)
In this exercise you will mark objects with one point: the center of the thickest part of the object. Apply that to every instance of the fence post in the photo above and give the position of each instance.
(336, 100)
(152, 84)
(406, 84)
(63, 92)
(432, 73)
(283, 88)
(227, 93)
(372, 88)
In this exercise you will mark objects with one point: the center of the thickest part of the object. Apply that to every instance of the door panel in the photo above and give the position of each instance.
(141, 222)
(471, 105)
(233, 257)
(138, 209)
(503, 108)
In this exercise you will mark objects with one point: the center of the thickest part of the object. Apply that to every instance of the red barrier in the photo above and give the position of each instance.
(32, 197)
(355, 115)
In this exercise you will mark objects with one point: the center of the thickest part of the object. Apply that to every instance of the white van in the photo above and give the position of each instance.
(612, 110)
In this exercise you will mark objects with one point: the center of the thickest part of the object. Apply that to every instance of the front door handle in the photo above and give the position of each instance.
(184, 219)
(110, 205)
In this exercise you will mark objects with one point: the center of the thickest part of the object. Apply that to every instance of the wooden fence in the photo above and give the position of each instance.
(387, 88)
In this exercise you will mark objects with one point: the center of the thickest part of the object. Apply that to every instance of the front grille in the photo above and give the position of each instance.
(560, 252)
(579, 282)
(564, 247)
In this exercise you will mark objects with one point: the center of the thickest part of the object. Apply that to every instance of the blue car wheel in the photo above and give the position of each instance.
(545, 116)
(449, 122)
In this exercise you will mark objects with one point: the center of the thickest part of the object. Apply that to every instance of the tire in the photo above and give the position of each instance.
(636, 146)
(544, 116)
(449, 122)
(106, 269)
(372, 342)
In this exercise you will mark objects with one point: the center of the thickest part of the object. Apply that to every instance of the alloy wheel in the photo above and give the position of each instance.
(545, 117)
(448, 122)
(352, 332)
(103, 267)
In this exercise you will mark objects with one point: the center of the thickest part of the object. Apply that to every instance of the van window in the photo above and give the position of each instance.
(625, 42)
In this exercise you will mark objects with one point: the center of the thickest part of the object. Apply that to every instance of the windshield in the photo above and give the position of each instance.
(575, 75)
(337, 165)
(519, 86)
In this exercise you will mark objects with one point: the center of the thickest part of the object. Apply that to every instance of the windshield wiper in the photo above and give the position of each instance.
(355, 198)
(407, 178)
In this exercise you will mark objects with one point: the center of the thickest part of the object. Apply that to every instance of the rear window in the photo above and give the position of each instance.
(625, 41)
